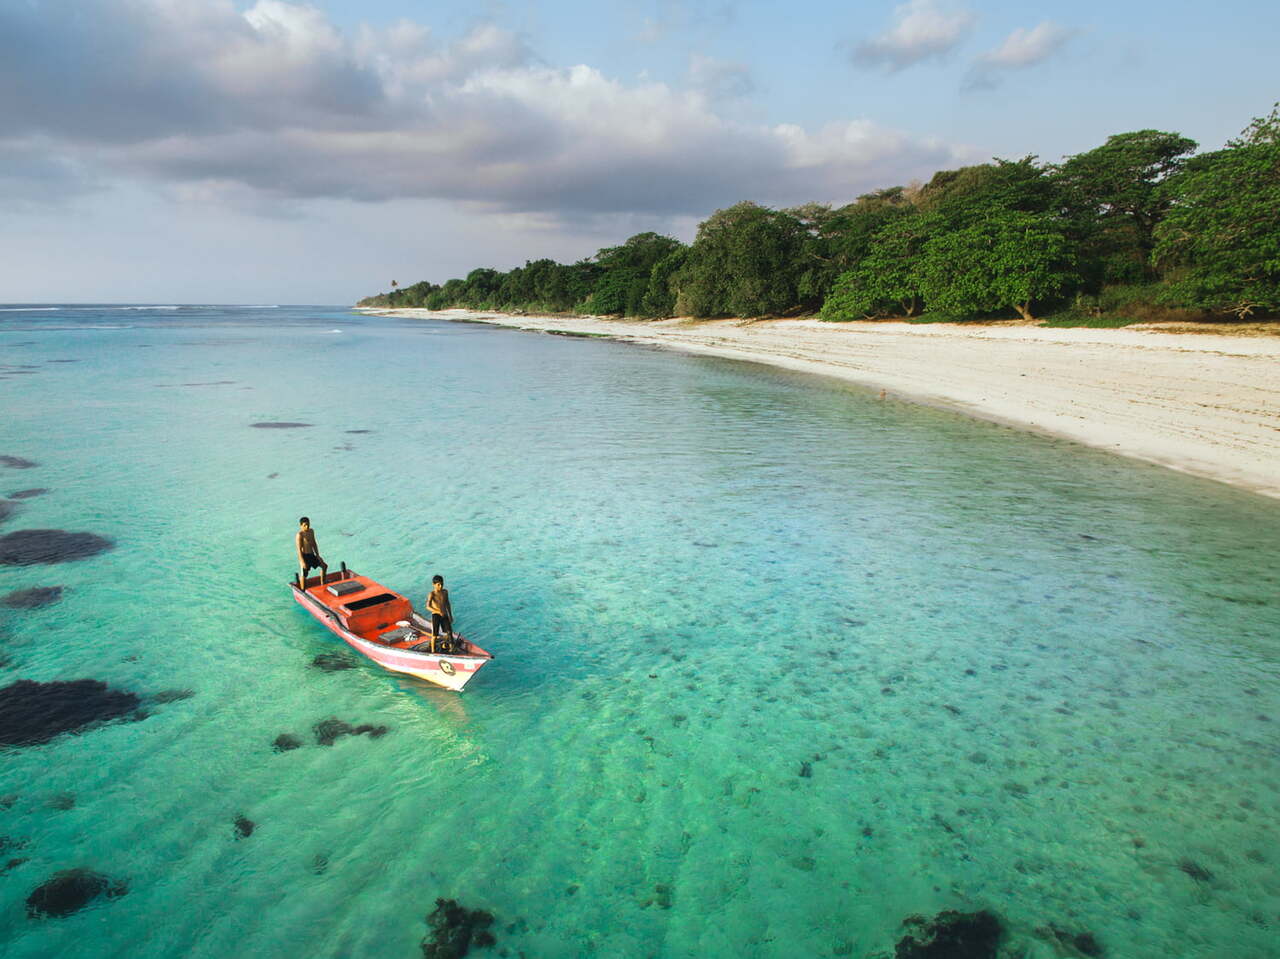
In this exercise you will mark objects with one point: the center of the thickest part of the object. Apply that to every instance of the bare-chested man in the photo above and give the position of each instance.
(441, 611)
(308, 552)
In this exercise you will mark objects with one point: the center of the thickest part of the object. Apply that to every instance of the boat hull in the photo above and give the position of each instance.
(448, 670)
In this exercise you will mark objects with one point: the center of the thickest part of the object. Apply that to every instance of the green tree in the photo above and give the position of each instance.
(1005, 259)
(623, 273)
(887, 279)
(1223, 229)
(659, 297)
(743, 262)
(1115, 199)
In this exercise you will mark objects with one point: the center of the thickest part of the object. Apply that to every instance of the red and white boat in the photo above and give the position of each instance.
(382, 625)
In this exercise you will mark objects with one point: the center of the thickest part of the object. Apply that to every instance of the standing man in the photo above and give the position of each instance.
(308, 552)
(441, 611)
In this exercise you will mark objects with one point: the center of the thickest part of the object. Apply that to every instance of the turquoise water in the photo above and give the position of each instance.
(779, 664)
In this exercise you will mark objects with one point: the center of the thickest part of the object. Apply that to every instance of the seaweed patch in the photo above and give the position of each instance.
(332, 662)
(32, 713)
(951, 935)
(36, 597)
(281, 425)
(454, 929)
(17, 462)
(28, 493)
(329, 731)
(70, 891)
(29, 547)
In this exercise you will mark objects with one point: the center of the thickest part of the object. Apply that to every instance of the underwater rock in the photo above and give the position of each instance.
(319, 864)
(33, 598)
(32, 713)
(28, 493)
(329, 731)
(358, 431)
(17, 462)
(455, 929)
(28, 547)
(63, 802)
(332, 662)
(70, 891)
(279, 426)
(285, 742)
(1195, 870)
(951, 935)
(806, 770)
(11, 865)
(244, 827)
(1072, 943)
(7, 509)
(172, 695)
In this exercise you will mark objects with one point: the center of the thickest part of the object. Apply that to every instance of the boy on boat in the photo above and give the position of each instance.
(308, 552)
(441, 611)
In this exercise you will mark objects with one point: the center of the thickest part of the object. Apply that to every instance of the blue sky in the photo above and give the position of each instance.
(220, 151)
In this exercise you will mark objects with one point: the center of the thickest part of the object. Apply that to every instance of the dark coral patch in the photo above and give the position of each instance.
(329, 731)
(273, 425)
(171, 695)
(951, 935)
(17, 462)
(332, 662)
(70, 891)
(244, 827)
(455, 929)
(28, 493)
(32, 713)
(33, 598)
(7, 509)
(29, 547)
(285, 742)
(1195, 870)
(358, 431)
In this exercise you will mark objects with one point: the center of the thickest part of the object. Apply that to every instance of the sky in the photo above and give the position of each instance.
(220, 151)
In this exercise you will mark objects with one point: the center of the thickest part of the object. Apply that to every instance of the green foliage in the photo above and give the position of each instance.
(887, 279)
(1115, 198)
(1005, 259)
(744, 262)
(1223, 231)
(1130, 230)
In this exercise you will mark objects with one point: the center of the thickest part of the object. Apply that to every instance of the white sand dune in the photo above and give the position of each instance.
(1202, 403)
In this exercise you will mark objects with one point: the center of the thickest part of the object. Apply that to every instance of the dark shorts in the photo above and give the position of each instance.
(440, 624)
(311, 561)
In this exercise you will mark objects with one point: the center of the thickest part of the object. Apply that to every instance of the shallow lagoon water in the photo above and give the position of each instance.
(779, 663)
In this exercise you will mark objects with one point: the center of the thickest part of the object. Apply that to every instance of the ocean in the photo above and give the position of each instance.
(779, 663)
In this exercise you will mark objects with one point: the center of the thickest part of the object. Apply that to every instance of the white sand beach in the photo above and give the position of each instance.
(1206, 404)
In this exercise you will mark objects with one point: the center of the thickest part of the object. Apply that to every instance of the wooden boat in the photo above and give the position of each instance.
(382, 625)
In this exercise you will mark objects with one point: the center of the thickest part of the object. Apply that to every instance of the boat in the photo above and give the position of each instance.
(382, 624)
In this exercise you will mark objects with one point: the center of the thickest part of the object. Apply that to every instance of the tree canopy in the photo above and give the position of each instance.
(1138, 213)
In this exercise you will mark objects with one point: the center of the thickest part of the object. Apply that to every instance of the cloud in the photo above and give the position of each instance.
(202, 100)
(922, 30)
(720, 79)
(1021, 49)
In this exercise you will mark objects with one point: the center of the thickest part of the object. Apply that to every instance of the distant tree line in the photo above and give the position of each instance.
(1139, 220)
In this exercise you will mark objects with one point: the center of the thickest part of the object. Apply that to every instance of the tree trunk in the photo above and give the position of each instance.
(1024, 310)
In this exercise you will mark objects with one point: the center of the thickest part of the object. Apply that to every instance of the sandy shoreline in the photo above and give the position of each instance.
(1202, 403)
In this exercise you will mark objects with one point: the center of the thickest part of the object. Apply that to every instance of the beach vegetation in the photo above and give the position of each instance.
(1139, 229)
(1221, 237)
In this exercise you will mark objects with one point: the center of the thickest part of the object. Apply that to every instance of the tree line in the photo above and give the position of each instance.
(1141, 219)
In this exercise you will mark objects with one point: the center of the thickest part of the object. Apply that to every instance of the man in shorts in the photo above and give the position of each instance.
(441, 611)
(308, 552)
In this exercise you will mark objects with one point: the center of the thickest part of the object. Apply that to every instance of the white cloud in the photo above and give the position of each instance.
(921, 30)
(196, 97)
(720, 79)
(1020, 49)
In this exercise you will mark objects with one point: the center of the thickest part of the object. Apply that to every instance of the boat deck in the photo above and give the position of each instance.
(374, 613)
